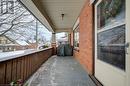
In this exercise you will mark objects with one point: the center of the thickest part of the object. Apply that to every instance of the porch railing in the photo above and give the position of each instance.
(22, 67)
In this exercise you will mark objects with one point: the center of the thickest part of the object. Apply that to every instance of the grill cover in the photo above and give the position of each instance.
(65, 50)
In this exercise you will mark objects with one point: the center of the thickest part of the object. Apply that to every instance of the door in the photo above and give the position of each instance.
(112, 60)
(128, 41)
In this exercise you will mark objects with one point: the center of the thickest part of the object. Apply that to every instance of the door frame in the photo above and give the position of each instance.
(127, 24)
(128, 41)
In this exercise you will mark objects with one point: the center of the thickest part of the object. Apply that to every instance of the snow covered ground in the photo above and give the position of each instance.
(14, 54)
(7, 54)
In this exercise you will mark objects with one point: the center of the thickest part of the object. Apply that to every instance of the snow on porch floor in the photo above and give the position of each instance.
(61, 71)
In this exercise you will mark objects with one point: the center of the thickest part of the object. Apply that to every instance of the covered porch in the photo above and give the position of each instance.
(61, 71)
(97, 30)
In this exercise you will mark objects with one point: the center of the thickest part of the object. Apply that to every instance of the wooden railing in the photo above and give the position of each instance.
(22, 67)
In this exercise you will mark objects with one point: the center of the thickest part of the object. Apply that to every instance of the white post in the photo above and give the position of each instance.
(53, 38)
(53, 43)
(69, 38)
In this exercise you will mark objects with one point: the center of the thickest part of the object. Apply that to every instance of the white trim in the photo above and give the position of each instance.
(120, 71)
(116, 24)
(76, 24)
(96, 36)
(104, 72)
(96, 31)
(91, 1)
(128, 41)
(31, 6)
(77, 28)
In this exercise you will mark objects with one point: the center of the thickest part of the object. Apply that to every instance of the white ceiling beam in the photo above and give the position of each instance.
(76, 24)
(33, 9)
(69, 30)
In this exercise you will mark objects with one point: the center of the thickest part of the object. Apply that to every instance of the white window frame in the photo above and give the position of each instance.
(108, 27)
(75, 47)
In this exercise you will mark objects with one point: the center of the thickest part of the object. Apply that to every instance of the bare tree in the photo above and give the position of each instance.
(20, 25)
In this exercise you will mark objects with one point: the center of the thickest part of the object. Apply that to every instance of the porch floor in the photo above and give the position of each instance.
(61, 71)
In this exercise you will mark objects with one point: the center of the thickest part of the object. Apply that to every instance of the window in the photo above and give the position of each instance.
(21, 29)
(76, 37)
(62, 38)
(43, 36)
(110, 12)
(7, 6)
(111, 32)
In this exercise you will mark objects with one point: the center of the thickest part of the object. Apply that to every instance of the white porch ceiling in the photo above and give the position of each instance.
(52, 10)
(33, 9)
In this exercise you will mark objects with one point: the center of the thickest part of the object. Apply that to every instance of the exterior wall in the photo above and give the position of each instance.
(7, 45)
(23, 47)
(4, 40)
(85, 53)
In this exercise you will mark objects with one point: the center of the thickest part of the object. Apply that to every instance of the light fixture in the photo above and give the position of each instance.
(62, 16)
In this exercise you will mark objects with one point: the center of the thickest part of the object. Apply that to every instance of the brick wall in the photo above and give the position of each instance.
(85, 53)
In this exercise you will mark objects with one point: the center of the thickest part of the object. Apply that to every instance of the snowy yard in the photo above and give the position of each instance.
(7, 54)
(13, 54)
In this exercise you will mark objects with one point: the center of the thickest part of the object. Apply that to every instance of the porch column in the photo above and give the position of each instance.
(69, 38)
(53, 43)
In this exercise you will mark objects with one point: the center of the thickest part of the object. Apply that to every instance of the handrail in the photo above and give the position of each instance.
(22, 66)
(21, 53)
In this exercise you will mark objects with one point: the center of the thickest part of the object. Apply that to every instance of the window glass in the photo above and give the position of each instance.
(109, 12)
(62, 38)
(111, 47)
(19, 29)
(76, 37)
(44, 36)
(7, 6)
(111, 41)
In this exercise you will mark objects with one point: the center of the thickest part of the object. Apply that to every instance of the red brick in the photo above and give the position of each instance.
(85, 53)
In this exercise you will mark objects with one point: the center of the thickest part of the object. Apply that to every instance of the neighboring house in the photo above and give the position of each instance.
(63, 39)
(5, 40)
(22, 45)
(7, 44)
